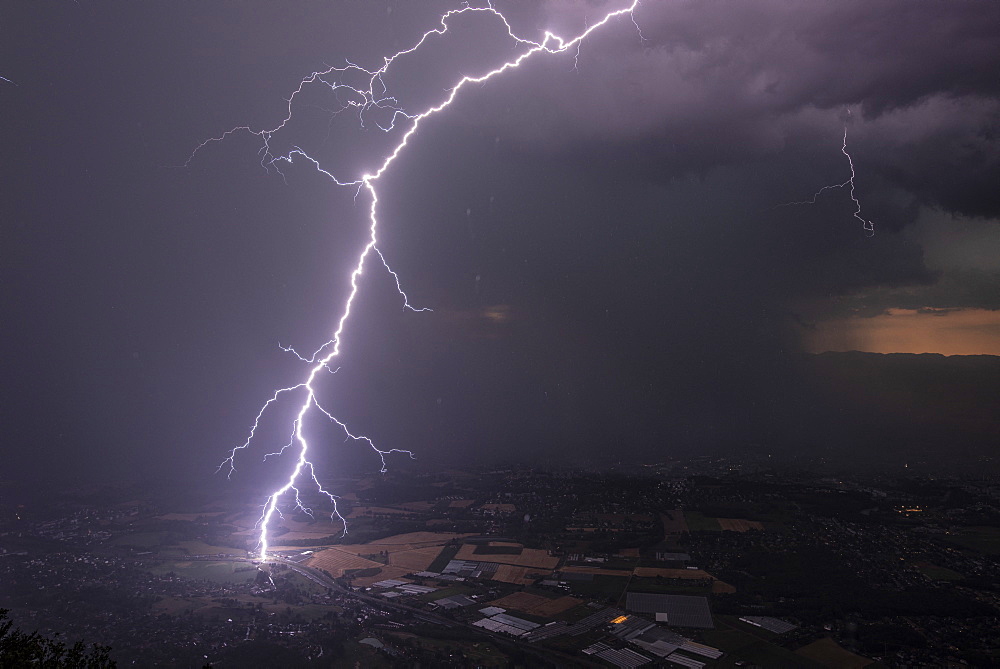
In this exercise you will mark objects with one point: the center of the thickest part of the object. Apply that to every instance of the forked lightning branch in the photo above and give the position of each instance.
(375, 106)
(405, 124)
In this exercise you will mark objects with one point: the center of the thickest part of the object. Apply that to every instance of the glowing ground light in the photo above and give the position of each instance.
(363, 101)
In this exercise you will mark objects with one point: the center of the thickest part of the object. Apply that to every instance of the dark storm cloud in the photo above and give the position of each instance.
(715, 82)
(764, 88)
(954, 289)
(599, 241)
(739, 61)
(946, 152)
(723, 111)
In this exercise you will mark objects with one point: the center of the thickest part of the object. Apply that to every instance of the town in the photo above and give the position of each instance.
(708, 562)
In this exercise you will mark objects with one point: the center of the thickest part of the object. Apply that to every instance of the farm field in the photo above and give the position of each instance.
(673, 522)
(361, 511)
(601, 586)
(320, 528)
(740, 646)
(418, 559)
(141, 539)
(402, 542)
(417, 506)
(698, 522)
(190, 516)
(977, 538)
(722, 588)
(829, 654)
(654, 572)
(739, 524)
(418, 539)
(406, 553)
(337, 561)
(499, 508)
(217, 571)
(529, 557)
(598, 571)
(936, 573)
(536, 604)
(508, 573)
(194, 547)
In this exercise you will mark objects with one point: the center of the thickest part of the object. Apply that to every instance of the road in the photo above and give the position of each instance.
(549, 656)
(556, 658)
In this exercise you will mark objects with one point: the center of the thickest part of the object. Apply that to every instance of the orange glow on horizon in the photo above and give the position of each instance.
(944, 331)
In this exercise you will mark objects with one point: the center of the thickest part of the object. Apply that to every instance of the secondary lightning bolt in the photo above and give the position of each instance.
(362, 101)
(866, 224)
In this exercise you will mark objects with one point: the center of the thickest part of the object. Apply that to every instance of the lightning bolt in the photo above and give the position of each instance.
(849, 184)
(362, 101)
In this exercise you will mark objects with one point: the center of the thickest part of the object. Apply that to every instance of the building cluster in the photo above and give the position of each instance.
(686, 565)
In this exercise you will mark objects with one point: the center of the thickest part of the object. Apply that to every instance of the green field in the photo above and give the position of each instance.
(145, 540)
(176, 606)
(161, 542)
(218, 571)
(981, 539)
(936, 573)
(446, 555)
(578, 612)
(775, 516)
(600, 586)
(672, 586)
(768, 655)
(311, 611)
(697, 522)
(740, 645)
(303, 583)
(827, 652)
(728, 639)
(200, 548)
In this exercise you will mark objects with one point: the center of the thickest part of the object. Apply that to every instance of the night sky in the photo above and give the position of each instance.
(596, 233)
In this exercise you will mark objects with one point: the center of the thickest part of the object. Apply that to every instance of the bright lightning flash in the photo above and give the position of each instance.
(867, 224)
(362, 101)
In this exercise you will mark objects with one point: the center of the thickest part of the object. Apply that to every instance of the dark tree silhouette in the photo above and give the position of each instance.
(19, 649)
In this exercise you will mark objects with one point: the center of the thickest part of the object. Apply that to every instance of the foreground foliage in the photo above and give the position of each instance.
(19, 649)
